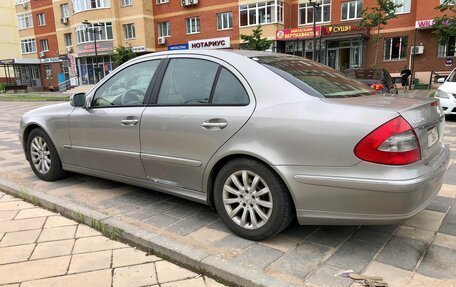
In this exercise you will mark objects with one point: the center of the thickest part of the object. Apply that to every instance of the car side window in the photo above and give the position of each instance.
(187, 82)
(229, 90)
(128, 87)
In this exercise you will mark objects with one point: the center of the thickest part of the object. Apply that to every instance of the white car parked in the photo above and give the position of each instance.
(446, 93)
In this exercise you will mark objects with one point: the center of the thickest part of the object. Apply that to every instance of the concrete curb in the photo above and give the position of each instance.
(185, 255)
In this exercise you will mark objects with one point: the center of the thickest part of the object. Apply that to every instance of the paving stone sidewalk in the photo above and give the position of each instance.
(421, 252)
(41, 248)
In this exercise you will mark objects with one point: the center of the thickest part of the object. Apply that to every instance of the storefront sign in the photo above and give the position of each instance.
(449, 62)
(138, 49)
(72, 65)
(330, 30)
(178, 47)
(214, 43)
(89, 48)
(50, 60)
(297, 33)
(424, 24)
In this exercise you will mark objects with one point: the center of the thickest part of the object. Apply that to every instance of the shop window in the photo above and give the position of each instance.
(164, 29)
(193, 25)
(44, 45)
(129, 31)
(322, 13)
(224, 21)
(83, 5)
(447, 50)
(85, 33)
(261, 13)
(179, 87)
(48, 72)
(41, 19)
(18, 2)
(28, 46)
(68, 39)
(24, 21)
(352, 10)
(395, 49)
(125, 3)
(405, 8)
(162, 1)
(64, 10)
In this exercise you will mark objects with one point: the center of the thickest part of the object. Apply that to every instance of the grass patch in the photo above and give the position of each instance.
(32, 98)
(108, 231)
(26, 196)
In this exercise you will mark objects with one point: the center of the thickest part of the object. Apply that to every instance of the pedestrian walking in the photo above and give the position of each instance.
(405, 75)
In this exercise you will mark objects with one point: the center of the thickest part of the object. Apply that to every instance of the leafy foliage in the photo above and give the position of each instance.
(378, 17)
(122, 55)
(255, 40)
(445, 26)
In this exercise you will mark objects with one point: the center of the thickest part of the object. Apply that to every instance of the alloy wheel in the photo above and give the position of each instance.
(247, 199)
(40, 155)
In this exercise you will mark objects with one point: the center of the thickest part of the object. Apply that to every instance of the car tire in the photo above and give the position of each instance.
(43, 156)
(252, 200)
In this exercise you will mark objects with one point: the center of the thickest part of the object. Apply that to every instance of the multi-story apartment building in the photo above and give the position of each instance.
(9, 49)
(58, 36)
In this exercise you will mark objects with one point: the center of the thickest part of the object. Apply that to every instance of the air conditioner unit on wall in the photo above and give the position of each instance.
(64, 20)
(25, 5)
(417, 50)
(189, 2)
(69, 49)
(161, 40)
(42, 54)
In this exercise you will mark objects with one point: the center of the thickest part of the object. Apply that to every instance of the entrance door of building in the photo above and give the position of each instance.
(333, 58)
(344, 59)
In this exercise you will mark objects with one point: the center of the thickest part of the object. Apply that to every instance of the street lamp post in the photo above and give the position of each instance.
(94, 30)
(315, 4)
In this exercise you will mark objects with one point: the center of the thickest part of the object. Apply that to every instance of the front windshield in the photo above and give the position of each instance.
(314, 78)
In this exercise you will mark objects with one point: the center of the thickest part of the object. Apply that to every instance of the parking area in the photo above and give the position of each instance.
(421, 252)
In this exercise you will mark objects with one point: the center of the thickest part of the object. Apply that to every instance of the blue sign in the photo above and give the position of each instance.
(178, 47)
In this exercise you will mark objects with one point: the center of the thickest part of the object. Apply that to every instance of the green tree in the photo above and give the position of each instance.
(377, 17)
(255, 40)
(122, 55)
(445, 26)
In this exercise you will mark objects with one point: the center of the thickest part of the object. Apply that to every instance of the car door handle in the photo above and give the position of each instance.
(215, 124)
(129, 121)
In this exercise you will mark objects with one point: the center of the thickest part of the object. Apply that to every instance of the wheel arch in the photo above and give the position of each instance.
(227, 158)
(25, 135)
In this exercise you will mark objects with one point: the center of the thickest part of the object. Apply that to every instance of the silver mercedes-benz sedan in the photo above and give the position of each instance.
(262, 137)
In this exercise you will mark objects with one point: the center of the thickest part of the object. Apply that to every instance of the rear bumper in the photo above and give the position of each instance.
(342, 199)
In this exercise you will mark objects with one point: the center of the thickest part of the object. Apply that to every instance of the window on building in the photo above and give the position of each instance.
(124, 3)
(193, 25)
(44, 45)
(85, 33)
(352, 10)
(129, 31)
(83, 5)
(164, 29)
(322, 13)
(224, 21)
(162, 1)
(48, 72)
(405, 8)
(25, 21)
(18, 2)
(41, 19)
(451, 2)
(64, 10)
(68, 40)
(395, 48)
(447, 50)
(28, 46)
(261, 13)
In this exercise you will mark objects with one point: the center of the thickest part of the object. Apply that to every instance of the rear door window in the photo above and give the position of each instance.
(229, 90)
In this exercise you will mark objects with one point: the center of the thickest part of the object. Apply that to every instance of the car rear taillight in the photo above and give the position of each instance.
(377, 87)
(393, 143)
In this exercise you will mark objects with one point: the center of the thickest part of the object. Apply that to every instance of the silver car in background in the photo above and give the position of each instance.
(262, 137)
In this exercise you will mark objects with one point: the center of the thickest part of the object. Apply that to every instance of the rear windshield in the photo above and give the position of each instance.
(313, 78)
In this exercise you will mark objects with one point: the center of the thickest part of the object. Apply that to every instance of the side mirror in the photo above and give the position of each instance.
(78, 100)
(441, 80)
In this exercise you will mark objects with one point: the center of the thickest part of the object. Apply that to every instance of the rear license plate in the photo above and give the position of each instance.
(433, 136)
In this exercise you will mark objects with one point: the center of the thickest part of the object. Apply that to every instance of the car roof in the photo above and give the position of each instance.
(216, 53)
